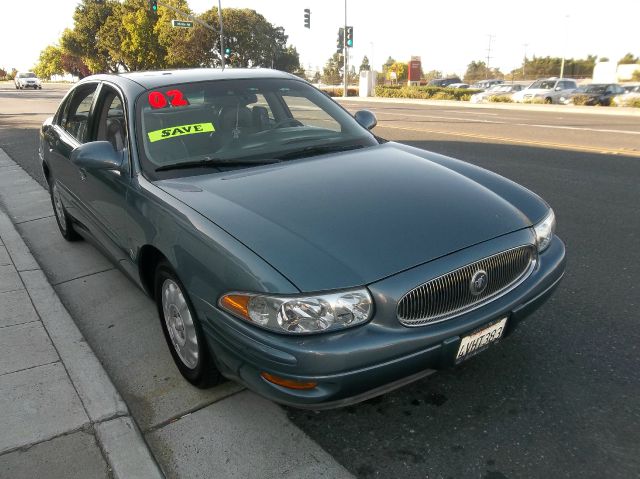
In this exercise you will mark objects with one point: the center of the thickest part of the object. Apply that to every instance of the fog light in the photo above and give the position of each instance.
(288, 383)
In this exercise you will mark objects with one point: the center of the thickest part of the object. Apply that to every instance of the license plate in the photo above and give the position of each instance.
(480, 340)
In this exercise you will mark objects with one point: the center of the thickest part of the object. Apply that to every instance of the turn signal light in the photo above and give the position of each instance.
(237, 303)
(288, 383)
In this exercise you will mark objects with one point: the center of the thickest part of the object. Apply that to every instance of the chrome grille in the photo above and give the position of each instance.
(450, 294)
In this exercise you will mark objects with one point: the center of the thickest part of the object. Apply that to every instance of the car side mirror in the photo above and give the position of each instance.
(366, 119)
(97, 155)
(558, 88)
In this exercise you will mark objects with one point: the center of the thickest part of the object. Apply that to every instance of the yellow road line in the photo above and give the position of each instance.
(503, 139)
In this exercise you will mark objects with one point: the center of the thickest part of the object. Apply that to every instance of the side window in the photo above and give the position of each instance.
(75, 119)
(111, 122)
(308, 113)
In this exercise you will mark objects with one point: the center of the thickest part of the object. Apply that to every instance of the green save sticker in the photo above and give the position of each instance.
(181, 130)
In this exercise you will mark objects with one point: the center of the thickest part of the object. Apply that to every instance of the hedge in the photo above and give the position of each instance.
(425, 92)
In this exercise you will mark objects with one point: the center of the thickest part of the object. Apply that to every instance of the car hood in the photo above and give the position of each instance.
(349, 219)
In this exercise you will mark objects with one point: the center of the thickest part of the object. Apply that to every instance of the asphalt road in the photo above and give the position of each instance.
(561, 397)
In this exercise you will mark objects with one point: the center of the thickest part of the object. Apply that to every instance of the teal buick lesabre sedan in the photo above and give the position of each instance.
(285, 245)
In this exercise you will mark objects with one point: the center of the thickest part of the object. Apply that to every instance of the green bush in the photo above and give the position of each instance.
(634, 102)
(424, 92)
(336, 92)
(580, 99)
(500, 99)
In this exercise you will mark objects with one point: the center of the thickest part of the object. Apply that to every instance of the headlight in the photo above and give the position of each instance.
(301, 314)
(544, 231)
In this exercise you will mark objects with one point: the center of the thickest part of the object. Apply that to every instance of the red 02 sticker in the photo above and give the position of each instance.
(158, 100)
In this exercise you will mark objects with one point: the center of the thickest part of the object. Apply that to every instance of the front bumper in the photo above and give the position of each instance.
(361, 362)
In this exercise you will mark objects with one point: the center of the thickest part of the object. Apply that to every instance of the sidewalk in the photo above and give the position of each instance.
(62, 417)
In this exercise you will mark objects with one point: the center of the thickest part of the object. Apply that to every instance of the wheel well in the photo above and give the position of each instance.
(148, 258)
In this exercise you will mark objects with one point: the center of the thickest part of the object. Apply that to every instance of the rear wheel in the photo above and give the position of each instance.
(62, 217)
(548, 101)
(182, 330)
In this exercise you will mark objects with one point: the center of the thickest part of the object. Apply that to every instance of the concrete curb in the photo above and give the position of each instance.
(570, 109)
(126, 452)
(123, 445)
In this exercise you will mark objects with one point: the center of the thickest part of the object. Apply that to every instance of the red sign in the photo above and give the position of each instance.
(415, 70)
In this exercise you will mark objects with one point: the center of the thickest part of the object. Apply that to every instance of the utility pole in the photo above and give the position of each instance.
(345, 52)
(491, 37)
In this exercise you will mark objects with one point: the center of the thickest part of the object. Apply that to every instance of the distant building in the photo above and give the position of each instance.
(610, 72)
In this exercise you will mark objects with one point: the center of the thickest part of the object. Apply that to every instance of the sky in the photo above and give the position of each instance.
(446, 37)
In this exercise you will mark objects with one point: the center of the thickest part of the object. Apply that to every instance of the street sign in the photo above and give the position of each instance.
(181, 24)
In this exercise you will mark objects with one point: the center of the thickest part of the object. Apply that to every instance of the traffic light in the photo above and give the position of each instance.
(153, 4)
(307, 18)
(349, 36)
(340, 44)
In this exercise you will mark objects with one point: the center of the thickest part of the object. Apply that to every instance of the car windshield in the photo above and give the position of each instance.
(27, 75)
(241, 121)
(543, 84)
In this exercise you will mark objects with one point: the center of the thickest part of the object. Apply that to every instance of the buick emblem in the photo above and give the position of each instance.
(479, 282)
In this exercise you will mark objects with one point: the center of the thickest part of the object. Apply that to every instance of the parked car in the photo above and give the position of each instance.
(632, 94)
(442, 82)
(459, 85)
(500, 90)
(486, 84)
(27, 80)
(548, 91)
(594, 94)
(285, 245)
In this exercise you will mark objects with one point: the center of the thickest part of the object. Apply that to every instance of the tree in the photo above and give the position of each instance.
(129, 36)
(401, 70)
(432, 75)
(176, 42)
(603, 59)
(628, 59)
(539, 67)
(316, 77)
(50, 62)
(331, 73)
(635, 76)
(84, 40)
(365, 64)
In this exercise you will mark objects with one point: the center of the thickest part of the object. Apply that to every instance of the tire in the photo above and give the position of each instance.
(182, 329)
(62, 217)
(548, 101)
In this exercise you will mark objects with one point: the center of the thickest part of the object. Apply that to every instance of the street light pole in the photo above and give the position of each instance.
(564, 47)
(345, 51)
(221, 35)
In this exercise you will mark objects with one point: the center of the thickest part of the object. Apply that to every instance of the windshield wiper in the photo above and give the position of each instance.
(318, 150)
(207, 162)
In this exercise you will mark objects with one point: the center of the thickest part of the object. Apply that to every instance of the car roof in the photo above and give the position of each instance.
(162, 78)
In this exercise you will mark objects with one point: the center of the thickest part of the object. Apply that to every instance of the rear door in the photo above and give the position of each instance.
(69, 130)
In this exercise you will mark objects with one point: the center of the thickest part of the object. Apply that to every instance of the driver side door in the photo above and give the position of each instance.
(104, 191)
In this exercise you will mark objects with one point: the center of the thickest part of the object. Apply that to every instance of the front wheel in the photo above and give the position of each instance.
(548, 101)
(62, 217)
(182, 330)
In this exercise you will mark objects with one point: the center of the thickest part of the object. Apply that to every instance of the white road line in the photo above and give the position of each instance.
(552, 127)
